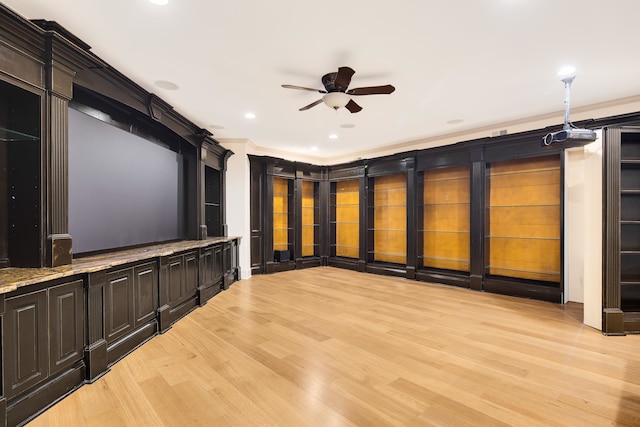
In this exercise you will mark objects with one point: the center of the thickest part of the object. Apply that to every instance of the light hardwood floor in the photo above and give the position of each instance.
(330, 347)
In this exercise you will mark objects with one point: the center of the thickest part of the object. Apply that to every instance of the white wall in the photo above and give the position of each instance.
(593, 163)
(583, 229)
(238, 200)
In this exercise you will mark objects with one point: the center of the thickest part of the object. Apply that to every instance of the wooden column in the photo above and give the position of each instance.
(62, 61)
(477, 219)
(3, 399)
(612, 314)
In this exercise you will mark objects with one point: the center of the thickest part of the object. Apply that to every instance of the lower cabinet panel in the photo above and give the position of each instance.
(25, 342)
(66, 320)
(43, 342)
(178, 286)
(131, 301)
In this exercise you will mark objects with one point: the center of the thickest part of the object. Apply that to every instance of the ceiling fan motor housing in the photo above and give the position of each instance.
(329, 80)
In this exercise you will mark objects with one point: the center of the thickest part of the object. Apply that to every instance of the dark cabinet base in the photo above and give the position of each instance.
(27, 406)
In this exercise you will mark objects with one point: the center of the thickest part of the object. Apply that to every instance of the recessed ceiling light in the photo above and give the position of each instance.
(165, 84)
(454, 121)
(567, 70)
(347, 125)
(250, 115)
(314, 148)
(333, 136)
(159, 2)
(216, 126)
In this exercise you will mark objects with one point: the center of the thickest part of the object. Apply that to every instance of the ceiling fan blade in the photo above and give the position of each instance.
(343, 78)
(372, 90)
(313, 104)
(352, 106)
(303, 88)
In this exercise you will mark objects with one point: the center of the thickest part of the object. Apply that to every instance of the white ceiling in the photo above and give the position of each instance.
(475, 63)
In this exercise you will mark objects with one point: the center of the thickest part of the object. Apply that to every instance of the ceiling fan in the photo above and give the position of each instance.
(336, 93)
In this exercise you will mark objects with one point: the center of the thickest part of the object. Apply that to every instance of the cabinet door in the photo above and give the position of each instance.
(175, 271)
(146, 292)
(26, 334)
(217, 263)
(66, 324)
(119, 310)
(206, 267)
(191, 273)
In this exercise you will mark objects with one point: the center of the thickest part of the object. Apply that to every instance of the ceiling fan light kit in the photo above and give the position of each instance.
(336, 93)
(336, 100)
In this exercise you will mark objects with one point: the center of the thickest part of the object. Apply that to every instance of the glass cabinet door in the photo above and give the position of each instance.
(345, 218)
(445, 218)
(310, 219)
(283, 231)
(523, 218)
(388, 209)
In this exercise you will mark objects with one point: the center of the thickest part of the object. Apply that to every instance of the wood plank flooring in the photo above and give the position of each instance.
(330, 347)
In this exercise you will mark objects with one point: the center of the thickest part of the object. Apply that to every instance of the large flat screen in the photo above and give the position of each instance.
(124, 190)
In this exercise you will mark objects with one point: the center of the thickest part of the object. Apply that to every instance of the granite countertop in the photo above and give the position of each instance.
(13, 278)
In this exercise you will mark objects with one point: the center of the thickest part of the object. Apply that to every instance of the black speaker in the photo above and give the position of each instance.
(282, 256)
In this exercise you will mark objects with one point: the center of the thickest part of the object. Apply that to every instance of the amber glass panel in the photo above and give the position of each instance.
(280, 214)
(308, 218)
(348, 218)
(524, 218)
(446, 218)
(390, 218)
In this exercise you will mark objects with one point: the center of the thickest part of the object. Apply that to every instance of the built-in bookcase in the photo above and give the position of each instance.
(310, 219)
(388, 209)
(630, 221)
(523, 217)
(283, 225)
(345, 218)
(444, 215)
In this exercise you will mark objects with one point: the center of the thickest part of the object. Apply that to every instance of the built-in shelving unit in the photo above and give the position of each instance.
(310, 219)
(283, 215)
(345, 218)
(444, 215)
(388, 209)
(630, 222)
(523, 217)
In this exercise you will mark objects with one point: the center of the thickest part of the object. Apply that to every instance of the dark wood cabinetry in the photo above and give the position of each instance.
(622, 230)
(58, 334)
(289, 219)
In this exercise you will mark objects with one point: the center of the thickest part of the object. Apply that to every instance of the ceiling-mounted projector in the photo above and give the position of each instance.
(569, 132)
